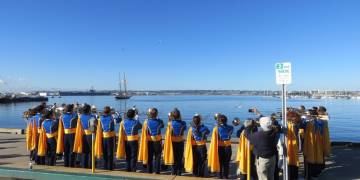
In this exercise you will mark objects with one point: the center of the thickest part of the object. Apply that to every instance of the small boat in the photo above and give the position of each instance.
(316, 97)
(122, 97)
(120, 94)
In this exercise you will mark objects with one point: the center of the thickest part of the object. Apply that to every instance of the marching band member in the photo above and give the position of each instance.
(324, 116)
(292, 146)
(315, 146)
(105, 139)
(174, 141)
(47, 139)
(31, 133)
(244, 150)
(37, 121)
(195, 149)
(83, 136)
(168, 152)
(129, 140)
(220, 148)
(66, 135)
(150, 146)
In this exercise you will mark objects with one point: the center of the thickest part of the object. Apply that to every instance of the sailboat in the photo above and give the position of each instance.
(122, 95)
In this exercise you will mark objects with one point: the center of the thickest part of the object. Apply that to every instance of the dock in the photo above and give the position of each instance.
(18, 99)
(343, 164)
(12, 131)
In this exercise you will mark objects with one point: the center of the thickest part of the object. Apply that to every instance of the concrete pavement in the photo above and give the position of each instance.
(343, 164)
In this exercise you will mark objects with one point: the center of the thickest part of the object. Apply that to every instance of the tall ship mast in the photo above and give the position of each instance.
(122, 95)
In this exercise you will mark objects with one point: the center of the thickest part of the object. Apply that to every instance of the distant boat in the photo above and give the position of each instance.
(120, 94)
(316, 97)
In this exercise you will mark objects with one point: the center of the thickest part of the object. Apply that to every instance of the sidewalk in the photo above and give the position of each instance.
(343, 164)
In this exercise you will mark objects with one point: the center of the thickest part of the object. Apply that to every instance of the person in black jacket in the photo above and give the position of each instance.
(264, 141)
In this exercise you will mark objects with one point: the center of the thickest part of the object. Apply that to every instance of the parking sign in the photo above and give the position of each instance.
(283, 73)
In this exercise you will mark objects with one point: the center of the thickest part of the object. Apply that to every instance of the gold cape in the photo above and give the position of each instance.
(143, 149)
(99, 141)
(189, 160)
(60, 138)
(42, 145)
(213, 156)
(168, 147)
(31, 135)
(314, 146)
(243, 154)
(120, 150)
(326, 142)
(78, 142)
(292, 145)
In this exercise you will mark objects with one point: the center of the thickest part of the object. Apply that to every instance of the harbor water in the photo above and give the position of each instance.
(344, 114)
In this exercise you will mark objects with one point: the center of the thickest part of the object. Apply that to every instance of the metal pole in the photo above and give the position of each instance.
(93, 153)
(285, 167)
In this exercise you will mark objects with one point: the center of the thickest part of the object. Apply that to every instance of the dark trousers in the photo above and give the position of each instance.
(32, 156)
(69, 155)
(40, 160)
(108, 153)
(155, 149)
(293, 172)
(312, 170)
(224, 158)
(178, 149)
(199, 158)
(86, 154)
(131, 150)
(51, 151)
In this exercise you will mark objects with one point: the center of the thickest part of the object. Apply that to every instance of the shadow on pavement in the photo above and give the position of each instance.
(11, 156)
(10, 141)
(343, 164)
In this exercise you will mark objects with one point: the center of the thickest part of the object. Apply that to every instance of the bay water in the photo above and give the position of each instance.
(344, 114)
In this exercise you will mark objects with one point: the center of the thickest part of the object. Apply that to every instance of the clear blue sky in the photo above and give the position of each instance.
(178, 44)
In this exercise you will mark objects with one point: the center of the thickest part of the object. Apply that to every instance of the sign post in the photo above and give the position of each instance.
(92, 128)
(283, 78)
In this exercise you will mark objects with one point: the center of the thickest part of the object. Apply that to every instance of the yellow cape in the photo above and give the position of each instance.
(168, 148)
(98, 141)
(120, 151)
(42, 146)
(78, 142)
(188, 161)
(326, 140)
(243, 154)
(213, 156)
(31, 134)
(143, 149)
(60, 138)
(292, 145)
(28, 137)
(313, 145)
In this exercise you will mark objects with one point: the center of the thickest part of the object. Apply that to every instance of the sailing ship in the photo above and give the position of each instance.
(120, 94)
